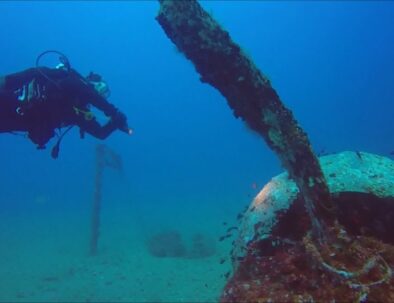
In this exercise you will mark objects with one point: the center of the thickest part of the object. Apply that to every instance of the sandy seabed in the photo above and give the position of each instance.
(45, 258)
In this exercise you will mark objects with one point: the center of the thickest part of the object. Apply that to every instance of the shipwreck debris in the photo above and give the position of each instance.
(325, 262)
(223, 64)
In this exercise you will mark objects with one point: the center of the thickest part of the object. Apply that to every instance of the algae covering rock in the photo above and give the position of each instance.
(275, 259)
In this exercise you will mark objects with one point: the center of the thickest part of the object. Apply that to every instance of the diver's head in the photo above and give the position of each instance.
(99, 84)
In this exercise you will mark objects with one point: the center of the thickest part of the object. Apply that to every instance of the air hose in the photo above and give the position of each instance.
(62, 58)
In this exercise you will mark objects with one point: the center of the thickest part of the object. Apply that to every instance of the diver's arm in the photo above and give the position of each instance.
(110, 111)
(117, 119)
(93, 128)
(101, 103)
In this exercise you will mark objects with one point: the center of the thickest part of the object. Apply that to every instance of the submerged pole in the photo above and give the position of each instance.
(222, 64)
(95, 223)
(104, 158)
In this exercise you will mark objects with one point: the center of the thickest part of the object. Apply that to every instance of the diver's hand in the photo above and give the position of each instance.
(120, 121)
(128, 131)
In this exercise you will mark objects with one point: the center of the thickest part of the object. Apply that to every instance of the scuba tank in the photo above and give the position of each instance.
(64, 63)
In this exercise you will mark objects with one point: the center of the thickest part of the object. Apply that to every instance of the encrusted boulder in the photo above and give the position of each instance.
(346, 172)
(275, 258)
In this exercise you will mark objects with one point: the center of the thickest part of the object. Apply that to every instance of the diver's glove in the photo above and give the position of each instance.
(120, 121)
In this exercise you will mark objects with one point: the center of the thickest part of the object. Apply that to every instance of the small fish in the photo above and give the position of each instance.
(254, 185)
(224, 223)
(240, 259)
(240, 216)
(224, 237)
(231, 228)
(222, 260)
(227, 274)
(322, 152)
(358, 153)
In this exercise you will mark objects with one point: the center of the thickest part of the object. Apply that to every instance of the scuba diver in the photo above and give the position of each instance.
(42, 100)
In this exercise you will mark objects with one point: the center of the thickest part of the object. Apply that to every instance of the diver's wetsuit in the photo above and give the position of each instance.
(39, 101)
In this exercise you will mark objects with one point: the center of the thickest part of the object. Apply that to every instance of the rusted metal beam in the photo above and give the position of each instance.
(223, 64)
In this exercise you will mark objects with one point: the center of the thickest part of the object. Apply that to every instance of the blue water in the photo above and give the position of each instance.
(190, 165)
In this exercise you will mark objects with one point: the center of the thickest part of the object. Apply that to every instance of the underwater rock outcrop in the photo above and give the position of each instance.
(170, 244)
(249, 93)
(201, 246)
(351, 176)
(167, 244)
(275, 259)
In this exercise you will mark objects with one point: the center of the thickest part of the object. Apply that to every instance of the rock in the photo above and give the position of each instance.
(167, 244)
(346, 172)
